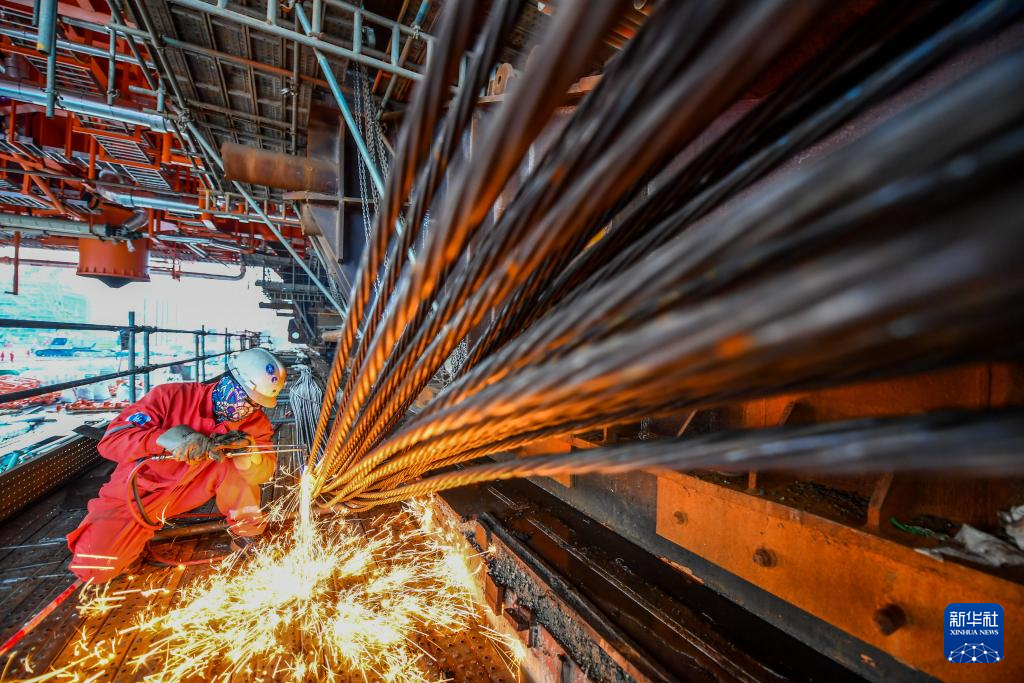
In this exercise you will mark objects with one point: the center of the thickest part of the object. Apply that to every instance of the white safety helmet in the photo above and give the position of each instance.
(259, 373)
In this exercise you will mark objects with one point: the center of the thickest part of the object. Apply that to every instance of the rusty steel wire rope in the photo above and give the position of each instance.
(577, 32)
(813, 309)
(950, 442)
(870, 152)
(592, 301)
(413, 145)
(675, 114)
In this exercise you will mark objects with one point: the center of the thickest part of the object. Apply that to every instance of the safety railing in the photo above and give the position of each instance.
(246, 339)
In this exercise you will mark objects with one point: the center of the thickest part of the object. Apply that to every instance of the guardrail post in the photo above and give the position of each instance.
(195, 363)
(132, 394)
(202, 352)
(146, 379)
(126, 336)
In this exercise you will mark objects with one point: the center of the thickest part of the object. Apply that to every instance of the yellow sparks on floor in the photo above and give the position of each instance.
(318, 603)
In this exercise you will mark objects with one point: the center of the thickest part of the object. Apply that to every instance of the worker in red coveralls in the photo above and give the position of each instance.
(194, 424)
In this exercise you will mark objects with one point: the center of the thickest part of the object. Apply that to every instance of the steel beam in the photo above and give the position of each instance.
(278, 170)
(23, 92)
(346, 113)
(826, 569)
(287, 287)
(260, 24)
(224, 111)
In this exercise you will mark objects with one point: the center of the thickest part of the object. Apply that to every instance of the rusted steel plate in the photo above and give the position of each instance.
(277, 169)
(851, 579)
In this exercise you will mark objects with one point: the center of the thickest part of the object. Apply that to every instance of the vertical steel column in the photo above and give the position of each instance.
(346, 113)
(318, 17)
(132, 394)
(272, 12)
(146, 379)
(202, 350)
(357, 31)
(195, 363)
(112, 68)
(46, 42)
(227, 348)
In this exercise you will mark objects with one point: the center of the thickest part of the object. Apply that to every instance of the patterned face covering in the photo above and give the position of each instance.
(230, 403)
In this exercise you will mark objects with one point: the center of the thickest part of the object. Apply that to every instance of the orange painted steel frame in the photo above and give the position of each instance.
(883, 593)
(76, 138)
(855, 573)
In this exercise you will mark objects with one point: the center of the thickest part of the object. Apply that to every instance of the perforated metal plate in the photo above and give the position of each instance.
(35, 478)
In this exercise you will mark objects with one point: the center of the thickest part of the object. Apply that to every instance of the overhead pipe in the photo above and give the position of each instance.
(112, 69)
(42, 263)
(318, 15)
(80, 48)
(63, 226)
(145, 199)
(46, 43)
(201, 276)
(23, 92)
(139, 199)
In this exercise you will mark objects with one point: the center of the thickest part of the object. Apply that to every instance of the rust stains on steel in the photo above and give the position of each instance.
(277, 169)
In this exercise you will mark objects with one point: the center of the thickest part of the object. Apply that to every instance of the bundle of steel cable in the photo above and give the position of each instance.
(895, 253)
(950, 443)
(305, 398)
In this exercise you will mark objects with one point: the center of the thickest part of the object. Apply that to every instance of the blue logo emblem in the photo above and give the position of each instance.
(270, 369)
(974, 633)
(138, 419)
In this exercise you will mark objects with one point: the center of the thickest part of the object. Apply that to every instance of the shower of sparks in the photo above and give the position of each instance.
(320, 602)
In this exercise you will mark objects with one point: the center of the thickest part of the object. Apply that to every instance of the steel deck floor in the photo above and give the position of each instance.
(33, 570)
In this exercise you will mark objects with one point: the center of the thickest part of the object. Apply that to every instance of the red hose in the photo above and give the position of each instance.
(138, 512)
(38, 618)
(134, 503)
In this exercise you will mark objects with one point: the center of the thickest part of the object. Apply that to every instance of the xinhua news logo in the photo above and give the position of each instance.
(974, 633)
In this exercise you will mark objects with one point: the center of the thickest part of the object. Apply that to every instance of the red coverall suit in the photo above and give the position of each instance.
(167, 487)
